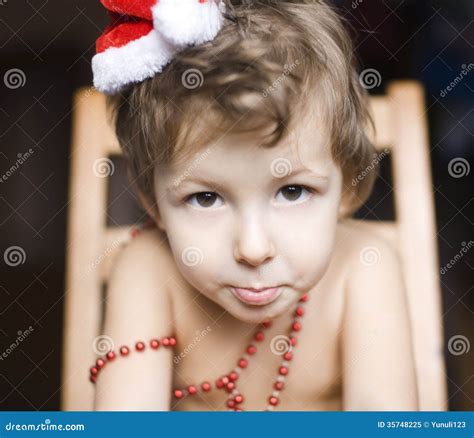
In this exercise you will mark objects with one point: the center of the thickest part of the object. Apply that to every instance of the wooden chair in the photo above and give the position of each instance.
(401, 125)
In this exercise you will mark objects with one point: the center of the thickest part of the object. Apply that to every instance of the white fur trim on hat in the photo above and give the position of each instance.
(186, 22)
(138, 60)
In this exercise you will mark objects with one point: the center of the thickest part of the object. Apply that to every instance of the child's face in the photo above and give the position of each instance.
(238, 215)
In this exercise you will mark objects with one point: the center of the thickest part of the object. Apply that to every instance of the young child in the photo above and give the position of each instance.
(244, 126)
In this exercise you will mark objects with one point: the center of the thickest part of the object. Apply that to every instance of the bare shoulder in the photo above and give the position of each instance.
(376, 337)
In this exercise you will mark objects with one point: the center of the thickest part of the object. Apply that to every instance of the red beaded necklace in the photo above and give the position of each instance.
(227, 382)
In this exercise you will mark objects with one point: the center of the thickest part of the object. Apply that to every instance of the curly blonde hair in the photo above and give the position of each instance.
(257, 73)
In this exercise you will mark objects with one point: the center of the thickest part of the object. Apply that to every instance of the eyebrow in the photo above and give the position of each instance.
(218, 185)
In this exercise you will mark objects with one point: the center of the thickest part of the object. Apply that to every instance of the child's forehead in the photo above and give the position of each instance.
(304, 146)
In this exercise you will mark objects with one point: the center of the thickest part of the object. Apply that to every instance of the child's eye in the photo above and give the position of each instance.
(205, 200)
(293, 193)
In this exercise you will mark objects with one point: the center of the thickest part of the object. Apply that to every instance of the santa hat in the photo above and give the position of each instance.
(145, 35)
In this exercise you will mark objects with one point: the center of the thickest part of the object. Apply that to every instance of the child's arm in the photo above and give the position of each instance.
(138, 308)
(378, 363)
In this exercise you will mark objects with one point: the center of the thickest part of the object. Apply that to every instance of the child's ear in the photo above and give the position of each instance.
(152, 209)
(345, 207)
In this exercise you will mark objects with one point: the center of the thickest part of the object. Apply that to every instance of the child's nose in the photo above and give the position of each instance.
(252, 245)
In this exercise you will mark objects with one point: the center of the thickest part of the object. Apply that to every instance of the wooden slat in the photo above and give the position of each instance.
(417, 230)
(380, 110)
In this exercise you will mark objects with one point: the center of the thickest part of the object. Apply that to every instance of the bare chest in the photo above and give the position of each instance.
(208, 350)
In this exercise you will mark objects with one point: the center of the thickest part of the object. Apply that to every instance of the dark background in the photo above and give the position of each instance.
(52, 42)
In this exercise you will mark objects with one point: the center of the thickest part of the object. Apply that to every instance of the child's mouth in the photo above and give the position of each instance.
(257, 297)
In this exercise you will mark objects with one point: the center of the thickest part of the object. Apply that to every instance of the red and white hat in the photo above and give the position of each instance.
(145, 35)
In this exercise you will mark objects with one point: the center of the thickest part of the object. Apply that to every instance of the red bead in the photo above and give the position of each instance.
(296, 326)
(266, 324)
(293, 340)
(239, 398)
(288, 355)
(155, 343)
(283, 371)
(135, 232)
(233, 376)
(259, 336)
(124, 351)
(279, 386)
(110, 355)
(225, 380)
(172, 342)
(93, 379)
(206, 386)
(219, 383)
(139, 346)
(192, 389)
(242, 363)
(178, 393)
(94, 371)
(231, 403)
(230, 386)
(304, 298)
(165, 341)
(251, 349)
(299, 311)
(100, 363)
(273, 400)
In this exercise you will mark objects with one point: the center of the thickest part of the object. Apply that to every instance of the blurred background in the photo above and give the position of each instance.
(46, 49)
